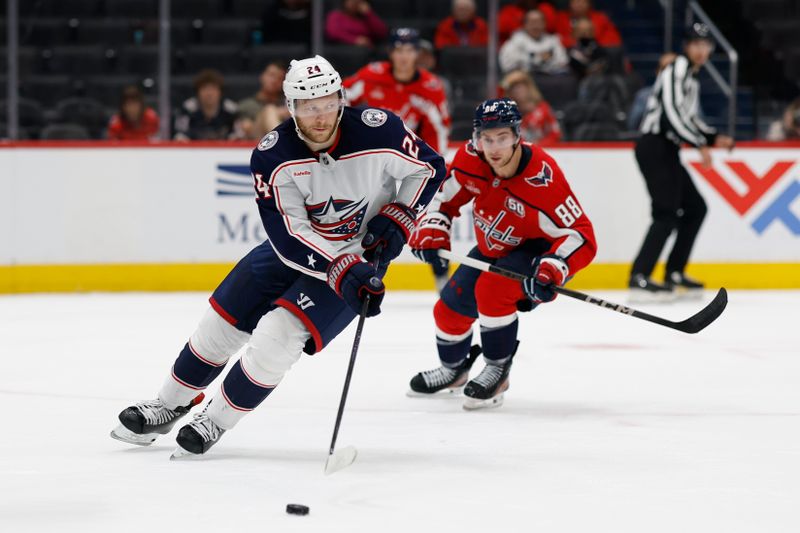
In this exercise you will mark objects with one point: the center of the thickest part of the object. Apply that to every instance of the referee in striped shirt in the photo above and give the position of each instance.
(671, 118)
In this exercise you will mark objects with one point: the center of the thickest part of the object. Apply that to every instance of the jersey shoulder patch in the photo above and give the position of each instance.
(374, 117)
(268, 141)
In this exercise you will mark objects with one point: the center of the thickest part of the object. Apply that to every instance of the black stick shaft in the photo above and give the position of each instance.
(361, 319)
(356, 341)
(692, 324)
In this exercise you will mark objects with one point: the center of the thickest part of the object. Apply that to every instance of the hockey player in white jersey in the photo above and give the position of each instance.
(333, 185)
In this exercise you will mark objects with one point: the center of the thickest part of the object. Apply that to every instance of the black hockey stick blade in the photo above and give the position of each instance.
(693, 324)
(706, 315)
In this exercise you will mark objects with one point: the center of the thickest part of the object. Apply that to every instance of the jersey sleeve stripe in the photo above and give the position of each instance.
(573, 241)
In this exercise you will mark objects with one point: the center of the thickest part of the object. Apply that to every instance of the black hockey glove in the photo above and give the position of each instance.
(352, 279)
(390, 228)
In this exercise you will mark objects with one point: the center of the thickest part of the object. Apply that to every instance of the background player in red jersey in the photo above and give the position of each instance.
(414, 94)
(526, 219)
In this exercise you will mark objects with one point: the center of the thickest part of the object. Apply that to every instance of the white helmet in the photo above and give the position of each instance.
(309, 78)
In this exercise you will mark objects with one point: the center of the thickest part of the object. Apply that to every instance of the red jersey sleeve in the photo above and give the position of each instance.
(561, 217)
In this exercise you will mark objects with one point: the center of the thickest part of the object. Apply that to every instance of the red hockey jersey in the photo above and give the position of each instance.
(421, 103)
(536, 203)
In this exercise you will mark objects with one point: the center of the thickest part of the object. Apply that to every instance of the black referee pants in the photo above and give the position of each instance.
(676, 205)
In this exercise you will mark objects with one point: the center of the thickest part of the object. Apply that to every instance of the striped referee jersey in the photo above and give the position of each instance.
(672, 108)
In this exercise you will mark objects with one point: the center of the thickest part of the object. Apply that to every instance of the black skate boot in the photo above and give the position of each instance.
(487, 388)
(443, 378)
(684, 285)
(197, 437)
(143, 423)
(645, 290)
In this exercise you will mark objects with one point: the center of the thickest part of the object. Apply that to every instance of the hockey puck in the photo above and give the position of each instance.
(296, 508)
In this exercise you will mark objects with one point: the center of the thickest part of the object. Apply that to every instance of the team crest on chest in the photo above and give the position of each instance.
(495, 238)
(337, 219)
(374, 117)
(543, 178)
(268, 141)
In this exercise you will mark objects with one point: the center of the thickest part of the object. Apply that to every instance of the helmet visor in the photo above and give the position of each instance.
(494, 139)
(318, 106)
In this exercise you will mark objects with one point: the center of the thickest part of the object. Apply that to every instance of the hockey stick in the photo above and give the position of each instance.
(344, 457)
(693, 324)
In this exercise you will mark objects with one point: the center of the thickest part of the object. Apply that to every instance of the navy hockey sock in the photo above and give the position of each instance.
(241, 391)
(453, 352)
(194, 371)
(500, 342)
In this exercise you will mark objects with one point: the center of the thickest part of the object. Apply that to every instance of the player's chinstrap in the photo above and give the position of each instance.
(333, 184)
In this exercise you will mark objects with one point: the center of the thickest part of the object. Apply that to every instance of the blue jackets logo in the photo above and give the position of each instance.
(337, 219)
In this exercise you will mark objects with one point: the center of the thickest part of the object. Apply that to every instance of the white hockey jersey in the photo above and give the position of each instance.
(315, 206)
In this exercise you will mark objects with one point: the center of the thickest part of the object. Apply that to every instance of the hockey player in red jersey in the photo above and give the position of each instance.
(526, 219)
(414, 94)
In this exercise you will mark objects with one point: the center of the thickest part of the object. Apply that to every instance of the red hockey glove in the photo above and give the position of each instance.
(431, 235)
(548, 271)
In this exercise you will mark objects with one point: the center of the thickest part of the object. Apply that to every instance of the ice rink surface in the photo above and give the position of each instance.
(611, 425)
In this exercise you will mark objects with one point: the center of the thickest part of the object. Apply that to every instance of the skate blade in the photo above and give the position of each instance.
(473, 404)
(637, 296)
(123, 434)
(181, 454)
(341, 458)
(442, 394)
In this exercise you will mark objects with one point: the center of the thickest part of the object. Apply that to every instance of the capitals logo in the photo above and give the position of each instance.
(543, 178)
(492, 234)
(336, 219)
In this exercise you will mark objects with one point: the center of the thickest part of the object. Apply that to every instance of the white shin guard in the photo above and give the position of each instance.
(276, 344)
(214, 341)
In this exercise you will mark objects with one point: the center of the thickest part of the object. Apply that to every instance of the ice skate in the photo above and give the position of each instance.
(645, 290)
(144, 422)
(197, 437)
(486, 390)
(684, 286)
(443, 380)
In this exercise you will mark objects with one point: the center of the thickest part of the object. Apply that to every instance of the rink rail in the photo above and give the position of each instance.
(90, 215)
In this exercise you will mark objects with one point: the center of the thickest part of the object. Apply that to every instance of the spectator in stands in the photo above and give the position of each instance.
(539, 124)
(788, 128)
(512, 17)
(642, 95)
(266, 109)
(355, 23)
(604, 30)
(586, 57)
(463, 27)
(533, 50)
(206, 116)
(134, 121)
(287, 21)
